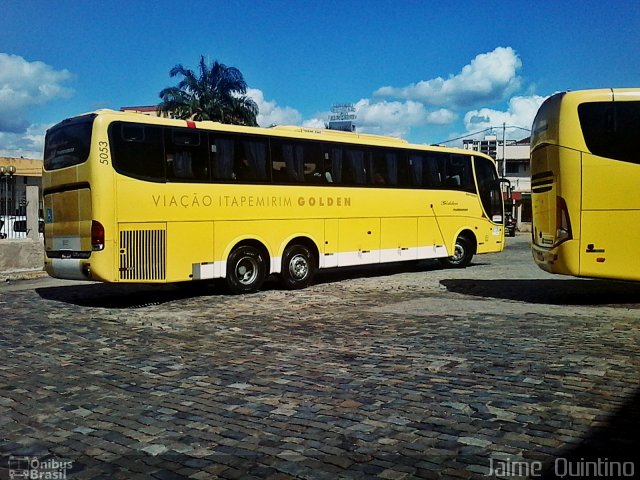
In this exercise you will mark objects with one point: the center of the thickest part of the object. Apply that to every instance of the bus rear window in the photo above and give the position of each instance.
(68, 143)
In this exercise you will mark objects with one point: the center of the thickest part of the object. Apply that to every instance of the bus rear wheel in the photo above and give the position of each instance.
(462, 254)
(245, 269)
(298, 267)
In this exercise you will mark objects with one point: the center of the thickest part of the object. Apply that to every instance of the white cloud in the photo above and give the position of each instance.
(442, 116)
(272, 114)
(394, 118)
(389, 118)
(25, 85)
(520, 112)
(397, 118)
(489, 77)
(315, 122)
(29, 144)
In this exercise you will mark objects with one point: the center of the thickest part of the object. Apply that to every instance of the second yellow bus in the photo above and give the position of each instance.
(585, 169)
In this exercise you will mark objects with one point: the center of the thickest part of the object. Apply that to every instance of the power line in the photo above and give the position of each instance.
(481, 131)
(464, 136)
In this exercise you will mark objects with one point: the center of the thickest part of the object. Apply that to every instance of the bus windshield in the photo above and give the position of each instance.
(68, 143)
(489, 189)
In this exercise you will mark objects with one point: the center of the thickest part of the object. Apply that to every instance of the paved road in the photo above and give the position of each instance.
(387, 372)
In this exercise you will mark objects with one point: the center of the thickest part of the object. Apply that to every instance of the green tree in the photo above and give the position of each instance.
(216, 93)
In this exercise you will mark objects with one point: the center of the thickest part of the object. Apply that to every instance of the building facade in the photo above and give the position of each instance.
(16, 174)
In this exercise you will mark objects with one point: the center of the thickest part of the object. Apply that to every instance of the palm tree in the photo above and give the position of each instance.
(217, 93)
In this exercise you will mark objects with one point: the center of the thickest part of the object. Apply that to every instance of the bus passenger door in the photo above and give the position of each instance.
(358, 241)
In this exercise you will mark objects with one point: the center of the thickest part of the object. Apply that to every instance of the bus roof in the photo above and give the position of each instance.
(561, 110)
(339, 133)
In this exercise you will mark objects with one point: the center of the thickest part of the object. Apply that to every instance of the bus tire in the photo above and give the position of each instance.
(246, 270)
(463, 253)
(298, 267)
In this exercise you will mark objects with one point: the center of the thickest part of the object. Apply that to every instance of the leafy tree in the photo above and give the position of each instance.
(216, 93)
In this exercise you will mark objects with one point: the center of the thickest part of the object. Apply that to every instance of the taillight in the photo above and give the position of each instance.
(97, 236)
(563, 222)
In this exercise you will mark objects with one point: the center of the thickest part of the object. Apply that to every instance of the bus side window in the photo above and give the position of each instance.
(137, 150)
(611, 129)
(431, 173)
(251, 161)
(180, 165)
(222, 153)
(415, 169)
(333, 164)
(403, 169)
(293, 156)
(354, 171)
(325, 176)
(296, 162)
(459, 173)
(186, 156)
(313, 157)
(384, 168)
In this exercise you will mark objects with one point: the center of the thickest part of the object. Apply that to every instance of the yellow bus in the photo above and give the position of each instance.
(585, 169)
(134, 198)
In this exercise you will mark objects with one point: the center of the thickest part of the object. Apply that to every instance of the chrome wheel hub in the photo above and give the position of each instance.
(298, 267)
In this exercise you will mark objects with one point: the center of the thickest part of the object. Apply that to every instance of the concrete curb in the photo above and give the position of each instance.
(22, 275)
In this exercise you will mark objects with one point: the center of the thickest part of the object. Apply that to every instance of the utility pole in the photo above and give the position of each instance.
(504, 158)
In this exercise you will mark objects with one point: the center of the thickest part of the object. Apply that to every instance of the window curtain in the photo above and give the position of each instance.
(223, 165)
(336, 165)
(391, 159)
(256, 154)
(182, 165)
(415, 169)
(355, 159)
(293, 156)
(432, 175)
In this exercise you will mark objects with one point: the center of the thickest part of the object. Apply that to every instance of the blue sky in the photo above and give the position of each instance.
(425, 71)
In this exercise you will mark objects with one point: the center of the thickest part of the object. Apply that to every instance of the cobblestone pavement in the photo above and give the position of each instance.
(384, 372)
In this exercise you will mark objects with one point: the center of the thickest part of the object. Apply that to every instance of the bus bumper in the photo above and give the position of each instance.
(544, 258)
(68, 268)
(562, 259)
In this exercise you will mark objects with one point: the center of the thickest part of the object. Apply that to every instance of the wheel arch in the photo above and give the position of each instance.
(305, 240)
(470, 236)
(259, 244)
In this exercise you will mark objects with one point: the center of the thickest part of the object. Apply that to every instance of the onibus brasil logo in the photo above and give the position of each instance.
(33, 468)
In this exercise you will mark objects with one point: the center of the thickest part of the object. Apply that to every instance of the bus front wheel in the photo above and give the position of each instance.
(462, 254)
(298, 267)
(245, 270)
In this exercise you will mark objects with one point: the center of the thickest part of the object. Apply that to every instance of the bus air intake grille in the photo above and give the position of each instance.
(143, 255)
